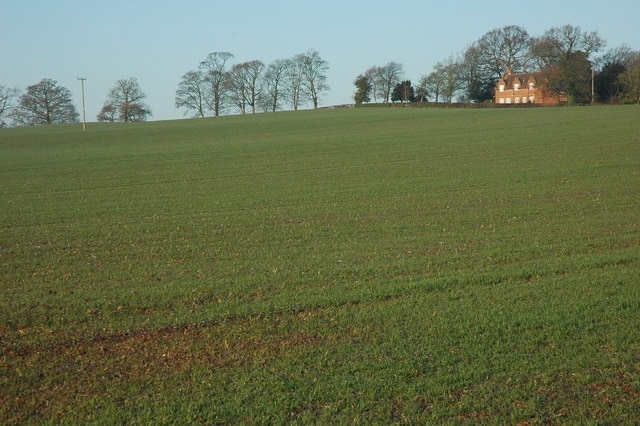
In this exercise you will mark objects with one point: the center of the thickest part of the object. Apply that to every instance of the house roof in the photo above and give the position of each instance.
(511, 77)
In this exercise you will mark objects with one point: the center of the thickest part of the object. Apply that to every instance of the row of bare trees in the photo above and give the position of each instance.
(43, 103)
(217, 85)
(46, 102)
(565, 56)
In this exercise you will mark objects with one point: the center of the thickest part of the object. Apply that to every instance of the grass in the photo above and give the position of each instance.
(356, 265)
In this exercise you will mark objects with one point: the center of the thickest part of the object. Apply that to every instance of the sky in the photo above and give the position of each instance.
(157, 41)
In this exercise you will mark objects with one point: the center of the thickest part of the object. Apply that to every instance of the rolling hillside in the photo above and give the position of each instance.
(381, 265)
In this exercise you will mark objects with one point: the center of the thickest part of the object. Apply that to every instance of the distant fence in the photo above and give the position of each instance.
(463, 105)
(466, 105)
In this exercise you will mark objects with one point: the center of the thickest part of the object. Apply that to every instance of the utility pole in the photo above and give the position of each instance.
(84, 120)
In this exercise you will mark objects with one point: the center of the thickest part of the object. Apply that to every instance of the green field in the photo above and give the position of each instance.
(380, 265)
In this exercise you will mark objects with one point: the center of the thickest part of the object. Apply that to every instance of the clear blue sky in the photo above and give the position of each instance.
(157, 41)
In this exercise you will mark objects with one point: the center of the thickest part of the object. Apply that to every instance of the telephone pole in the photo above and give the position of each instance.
(84, 120)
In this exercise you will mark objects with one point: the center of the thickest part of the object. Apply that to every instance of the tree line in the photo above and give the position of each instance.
(216, 86)
(46, 102)
(213, 88)
(565, 57)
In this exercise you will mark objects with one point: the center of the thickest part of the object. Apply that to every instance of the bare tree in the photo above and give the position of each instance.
(448, 74)
(236, 86)
(478, 78)
(374, 76)
(389, 76)
(125, 102)
(422, 89)
(382, 80)
(46, 103)
(294, 83)
(192, 93)
(313, 72)
(622, 54)
(431, 85)
(109, 113)
(215, 74)
(8, 96)
(564, 55)
(254, 88)
(504, 48)
(274, 83)
(487, 59)
(559, 43)
(244, 84)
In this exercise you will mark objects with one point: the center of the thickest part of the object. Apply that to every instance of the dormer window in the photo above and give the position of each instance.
(522, 88)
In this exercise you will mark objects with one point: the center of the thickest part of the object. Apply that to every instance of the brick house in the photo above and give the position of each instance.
(524, 88)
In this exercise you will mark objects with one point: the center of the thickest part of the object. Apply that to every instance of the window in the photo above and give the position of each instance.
(501, 100)
(516, 87)
(532, 86)
(502, 87)
(508, 100)
(517, 100)
(524, 100)
(532, 99)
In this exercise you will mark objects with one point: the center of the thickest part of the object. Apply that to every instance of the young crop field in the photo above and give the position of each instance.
(375, 265)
